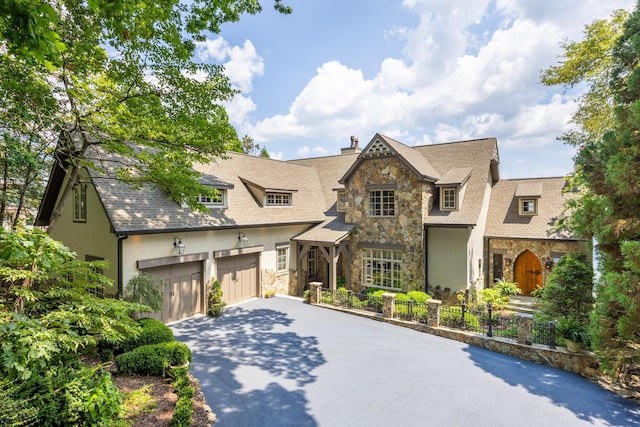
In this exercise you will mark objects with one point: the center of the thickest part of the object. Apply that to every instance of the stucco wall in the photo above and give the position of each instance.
(144, 247)
(447, 257)
(475, 245)
(92, 237)
(403, 230)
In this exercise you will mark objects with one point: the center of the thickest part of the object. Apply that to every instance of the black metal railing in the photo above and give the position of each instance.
(344, 298)
(454, 316)
(410, 310)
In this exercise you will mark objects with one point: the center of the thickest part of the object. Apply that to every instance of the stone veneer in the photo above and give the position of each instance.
(545, 250)
(403, 230)
(278, 283)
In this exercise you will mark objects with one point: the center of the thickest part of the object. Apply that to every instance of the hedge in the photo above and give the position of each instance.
(153, 359)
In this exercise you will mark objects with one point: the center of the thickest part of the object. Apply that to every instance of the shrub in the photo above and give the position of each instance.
(307, 295)
(143, 289)
(185, 392)
(216, 304)
(153, 359)
(419, 296)
(152, 332)
(452, 315)
(573, 329)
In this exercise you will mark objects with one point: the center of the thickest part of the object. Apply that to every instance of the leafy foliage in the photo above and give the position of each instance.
(152, 332)
(500, 294)
(216, 304)
(573, 329)
(143, 289)
(569, 289)
(608, 174)
(153, 359)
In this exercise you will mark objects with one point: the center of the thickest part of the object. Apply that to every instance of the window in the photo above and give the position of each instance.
(312, 263)
(382, 203)
(282, 259)
(528, 207)
(80, 202)
(217, 200)
(278, 199)
(382, 268)
(341, 206)
(448, 198)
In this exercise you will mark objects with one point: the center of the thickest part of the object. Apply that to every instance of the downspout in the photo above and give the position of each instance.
(120, 238)
(426, 258)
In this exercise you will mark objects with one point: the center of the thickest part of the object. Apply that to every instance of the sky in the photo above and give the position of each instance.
(418, 71)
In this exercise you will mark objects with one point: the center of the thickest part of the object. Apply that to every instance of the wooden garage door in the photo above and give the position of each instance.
(238, 276)
(528, 272)
(182, 290)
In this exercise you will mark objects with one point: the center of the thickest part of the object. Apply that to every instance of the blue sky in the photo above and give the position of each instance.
(419, 71)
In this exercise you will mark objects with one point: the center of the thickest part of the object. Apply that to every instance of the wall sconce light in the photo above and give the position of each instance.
(507, 262)
(548, 265)
(178, 245)
(243, 240)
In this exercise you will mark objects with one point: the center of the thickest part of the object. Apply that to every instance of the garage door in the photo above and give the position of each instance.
(238, 276)
(181, 288)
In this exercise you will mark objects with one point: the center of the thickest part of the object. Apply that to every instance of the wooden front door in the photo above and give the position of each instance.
(527, 272)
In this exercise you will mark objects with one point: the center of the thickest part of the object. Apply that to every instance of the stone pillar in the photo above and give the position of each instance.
(316, 292)
(525, 328)
(433, 312)
(387, 305)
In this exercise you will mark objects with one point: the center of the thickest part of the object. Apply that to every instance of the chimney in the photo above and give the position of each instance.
(353, 148)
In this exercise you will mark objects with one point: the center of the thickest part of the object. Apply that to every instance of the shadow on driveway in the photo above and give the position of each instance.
(564, 389)
(253, 344)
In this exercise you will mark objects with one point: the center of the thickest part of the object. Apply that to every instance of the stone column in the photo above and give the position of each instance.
(316, 292)
(388, 304)
(433, 312)
(525, 328)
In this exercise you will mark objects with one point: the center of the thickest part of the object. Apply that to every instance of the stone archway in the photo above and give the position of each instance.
(527, 272)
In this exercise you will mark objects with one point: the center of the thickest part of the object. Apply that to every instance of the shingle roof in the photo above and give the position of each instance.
(455, 176)
(332, 230)
(529, 189)
(505, 221)
(149, 209)
(456, 157)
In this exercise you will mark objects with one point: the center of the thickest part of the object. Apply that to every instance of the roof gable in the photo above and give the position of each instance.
(383, 146)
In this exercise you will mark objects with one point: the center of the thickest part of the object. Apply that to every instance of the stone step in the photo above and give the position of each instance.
(523, 305)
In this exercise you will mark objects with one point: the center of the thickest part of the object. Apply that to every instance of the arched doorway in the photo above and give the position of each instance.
(527, 272)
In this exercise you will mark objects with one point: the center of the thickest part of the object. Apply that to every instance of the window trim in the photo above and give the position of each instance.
(312, 259)
(341, 205)
(275, 195)
(210, 202)
(385, 205)
(284, 268)
(379, 259)
(521, 205)
(443, 191)
(80, 202)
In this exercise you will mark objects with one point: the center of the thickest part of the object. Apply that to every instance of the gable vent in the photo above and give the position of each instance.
(377, 148)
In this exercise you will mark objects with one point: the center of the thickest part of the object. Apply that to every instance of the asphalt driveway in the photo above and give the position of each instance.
(279, 362)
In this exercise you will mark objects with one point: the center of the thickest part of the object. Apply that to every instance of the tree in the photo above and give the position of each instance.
(126, 83)
(589, 61)
(608, 168)
(248, 146)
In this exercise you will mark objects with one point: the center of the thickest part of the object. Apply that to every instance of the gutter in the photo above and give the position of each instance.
(120, 238)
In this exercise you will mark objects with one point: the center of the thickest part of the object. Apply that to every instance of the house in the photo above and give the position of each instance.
(386, 215)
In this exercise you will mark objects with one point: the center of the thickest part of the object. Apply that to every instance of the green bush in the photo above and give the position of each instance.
(216, 303)
(185, 392)
(153, 359)
(419, 296)
(152, 332)
(144, 289)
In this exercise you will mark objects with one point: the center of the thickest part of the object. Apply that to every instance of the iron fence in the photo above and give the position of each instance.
(457, 316)
(410, 310)
(344, 298)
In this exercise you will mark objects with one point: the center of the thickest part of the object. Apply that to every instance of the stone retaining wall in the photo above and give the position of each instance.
(583, 362)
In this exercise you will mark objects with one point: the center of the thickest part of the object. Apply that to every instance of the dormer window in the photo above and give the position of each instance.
(278, 199)
(448, 199)
(341, 204)
(528, 207)
(218, 200)
(528, 195)
(452, 185)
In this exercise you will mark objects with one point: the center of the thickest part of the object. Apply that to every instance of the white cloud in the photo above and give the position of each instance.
(276, 155)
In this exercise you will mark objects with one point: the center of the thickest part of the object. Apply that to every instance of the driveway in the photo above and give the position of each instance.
(279, 362)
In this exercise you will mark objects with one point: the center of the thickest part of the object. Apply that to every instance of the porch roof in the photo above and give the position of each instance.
(332, 230)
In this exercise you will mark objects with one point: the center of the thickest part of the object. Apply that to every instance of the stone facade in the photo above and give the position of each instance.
(278, 283)
(545, 250)
(403, 231)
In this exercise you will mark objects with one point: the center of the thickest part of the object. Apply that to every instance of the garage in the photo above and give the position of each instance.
(238, 277)
(181, 288)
